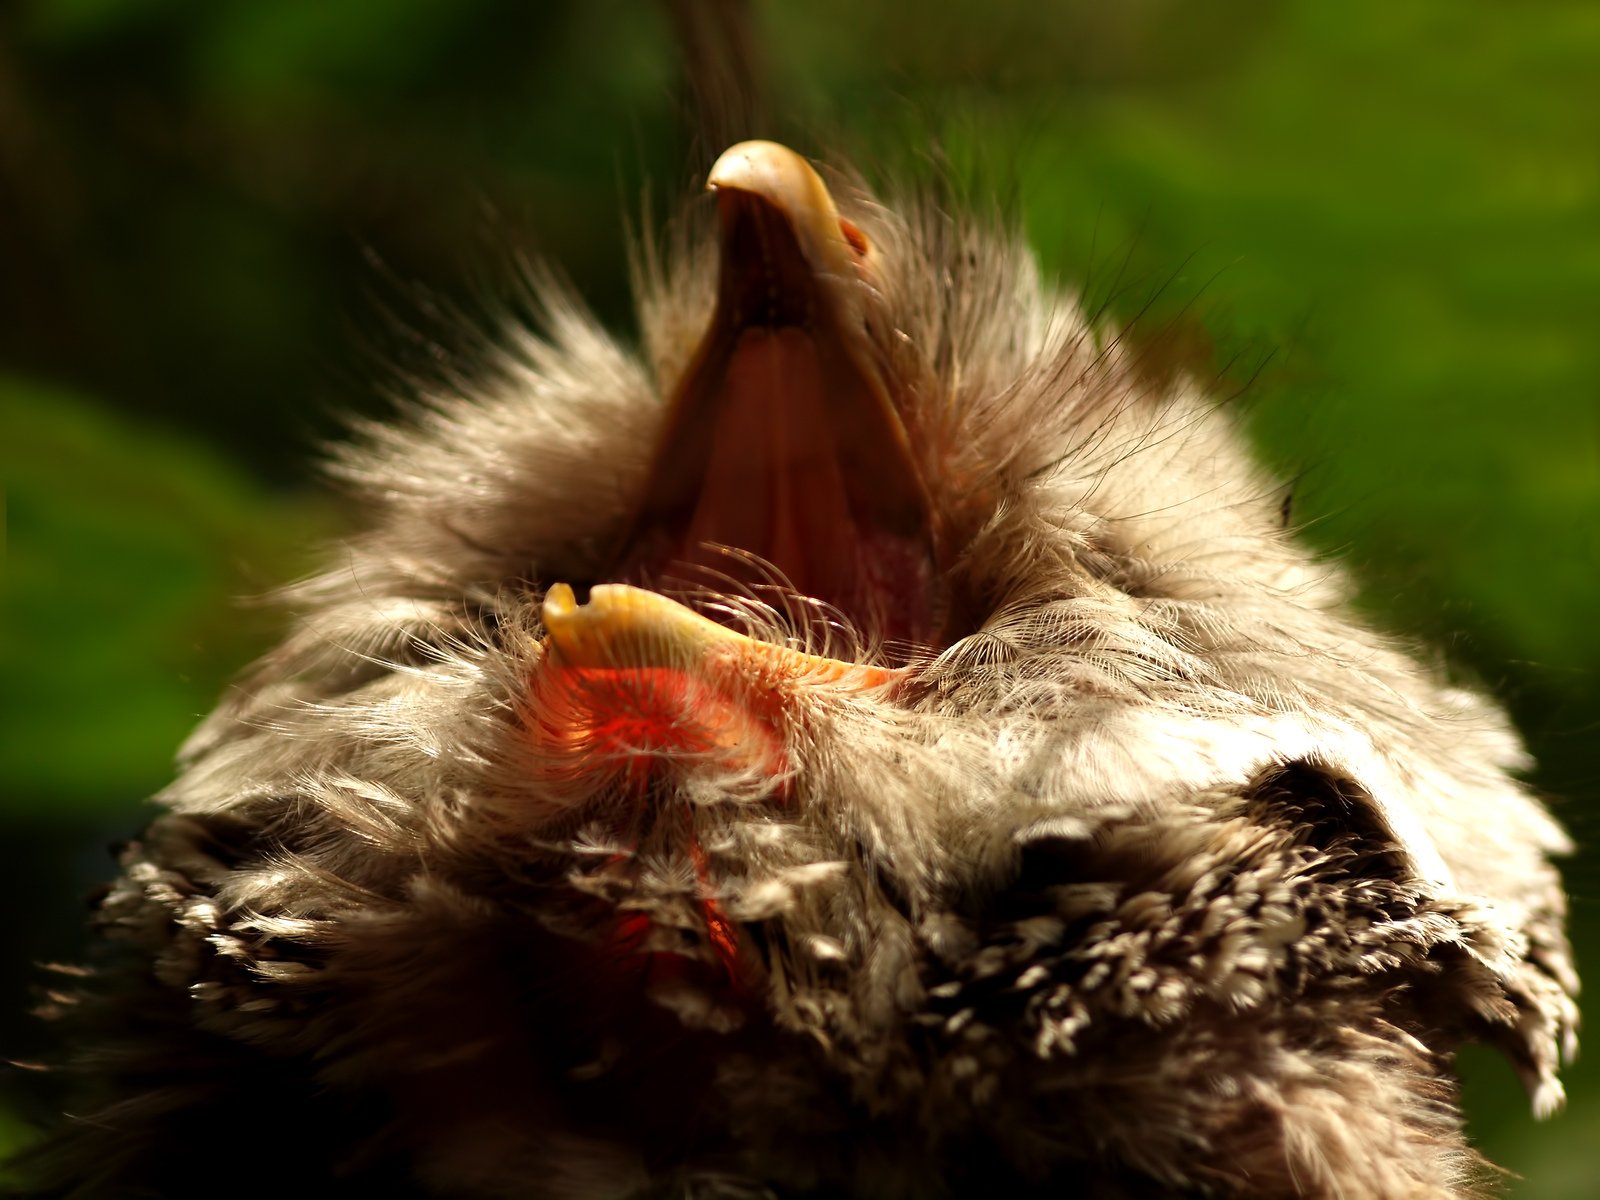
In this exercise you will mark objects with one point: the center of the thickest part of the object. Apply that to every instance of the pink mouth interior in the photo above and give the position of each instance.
(785, 470)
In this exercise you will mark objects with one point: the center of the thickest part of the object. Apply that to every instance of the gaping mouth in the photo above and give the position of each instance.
(784, 476)
(784, 456)
(784, 470)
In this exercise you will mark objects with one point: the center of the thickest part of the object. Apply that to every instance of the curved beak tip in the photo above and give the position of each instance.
(759, 166)
(786, 183)
(559, 602)
(776, 174)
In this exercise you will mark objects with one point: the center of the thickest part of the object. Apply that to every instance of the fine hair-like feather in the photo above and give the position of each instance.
(1168, 876)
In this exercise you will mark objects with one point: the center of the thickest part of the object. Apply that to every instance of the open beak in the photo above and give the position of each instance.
(623, 626)
(784, 473)
(783, 456)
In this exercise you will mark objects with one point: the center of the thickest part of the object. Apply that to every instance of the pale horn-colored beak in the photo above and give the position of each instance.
(623, 627)
(784, 441)
(790, 185)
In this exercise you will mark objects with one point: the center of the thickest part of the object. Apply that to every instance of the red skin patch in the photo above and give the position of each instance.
(632, 722)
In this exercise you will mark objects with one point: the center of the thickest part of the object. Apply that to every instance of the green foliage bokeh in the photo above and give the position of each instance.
(1378, 221)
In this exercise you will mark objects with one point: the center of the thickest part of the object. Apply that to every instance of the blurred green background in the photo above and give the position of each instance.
(1379, 220)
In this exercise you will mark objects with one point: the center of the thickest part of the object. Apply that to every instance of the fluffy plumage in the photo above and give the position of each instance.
(1166, 875)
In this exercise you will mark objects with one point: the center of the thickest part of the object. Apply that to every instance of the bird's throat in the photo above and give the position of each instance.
(784, 471)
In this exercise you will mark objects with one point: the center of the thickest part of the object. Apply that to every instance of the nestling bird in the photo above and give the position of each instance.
(875, 741)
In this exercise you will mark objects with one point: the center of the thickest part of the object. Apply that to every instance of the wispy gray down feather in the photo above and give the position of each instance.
(1170, 876)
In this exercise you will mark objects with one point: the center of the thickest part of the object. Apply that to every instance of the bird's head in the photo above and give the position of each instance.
(788, 552)
(881, 676)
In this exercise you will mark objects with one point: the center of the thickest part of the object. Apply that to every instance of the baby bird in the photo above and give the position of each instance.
(874, 741)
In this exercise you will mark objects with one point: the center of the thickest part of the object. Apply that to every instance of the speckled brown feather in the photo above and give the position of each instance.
(1170, 877)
